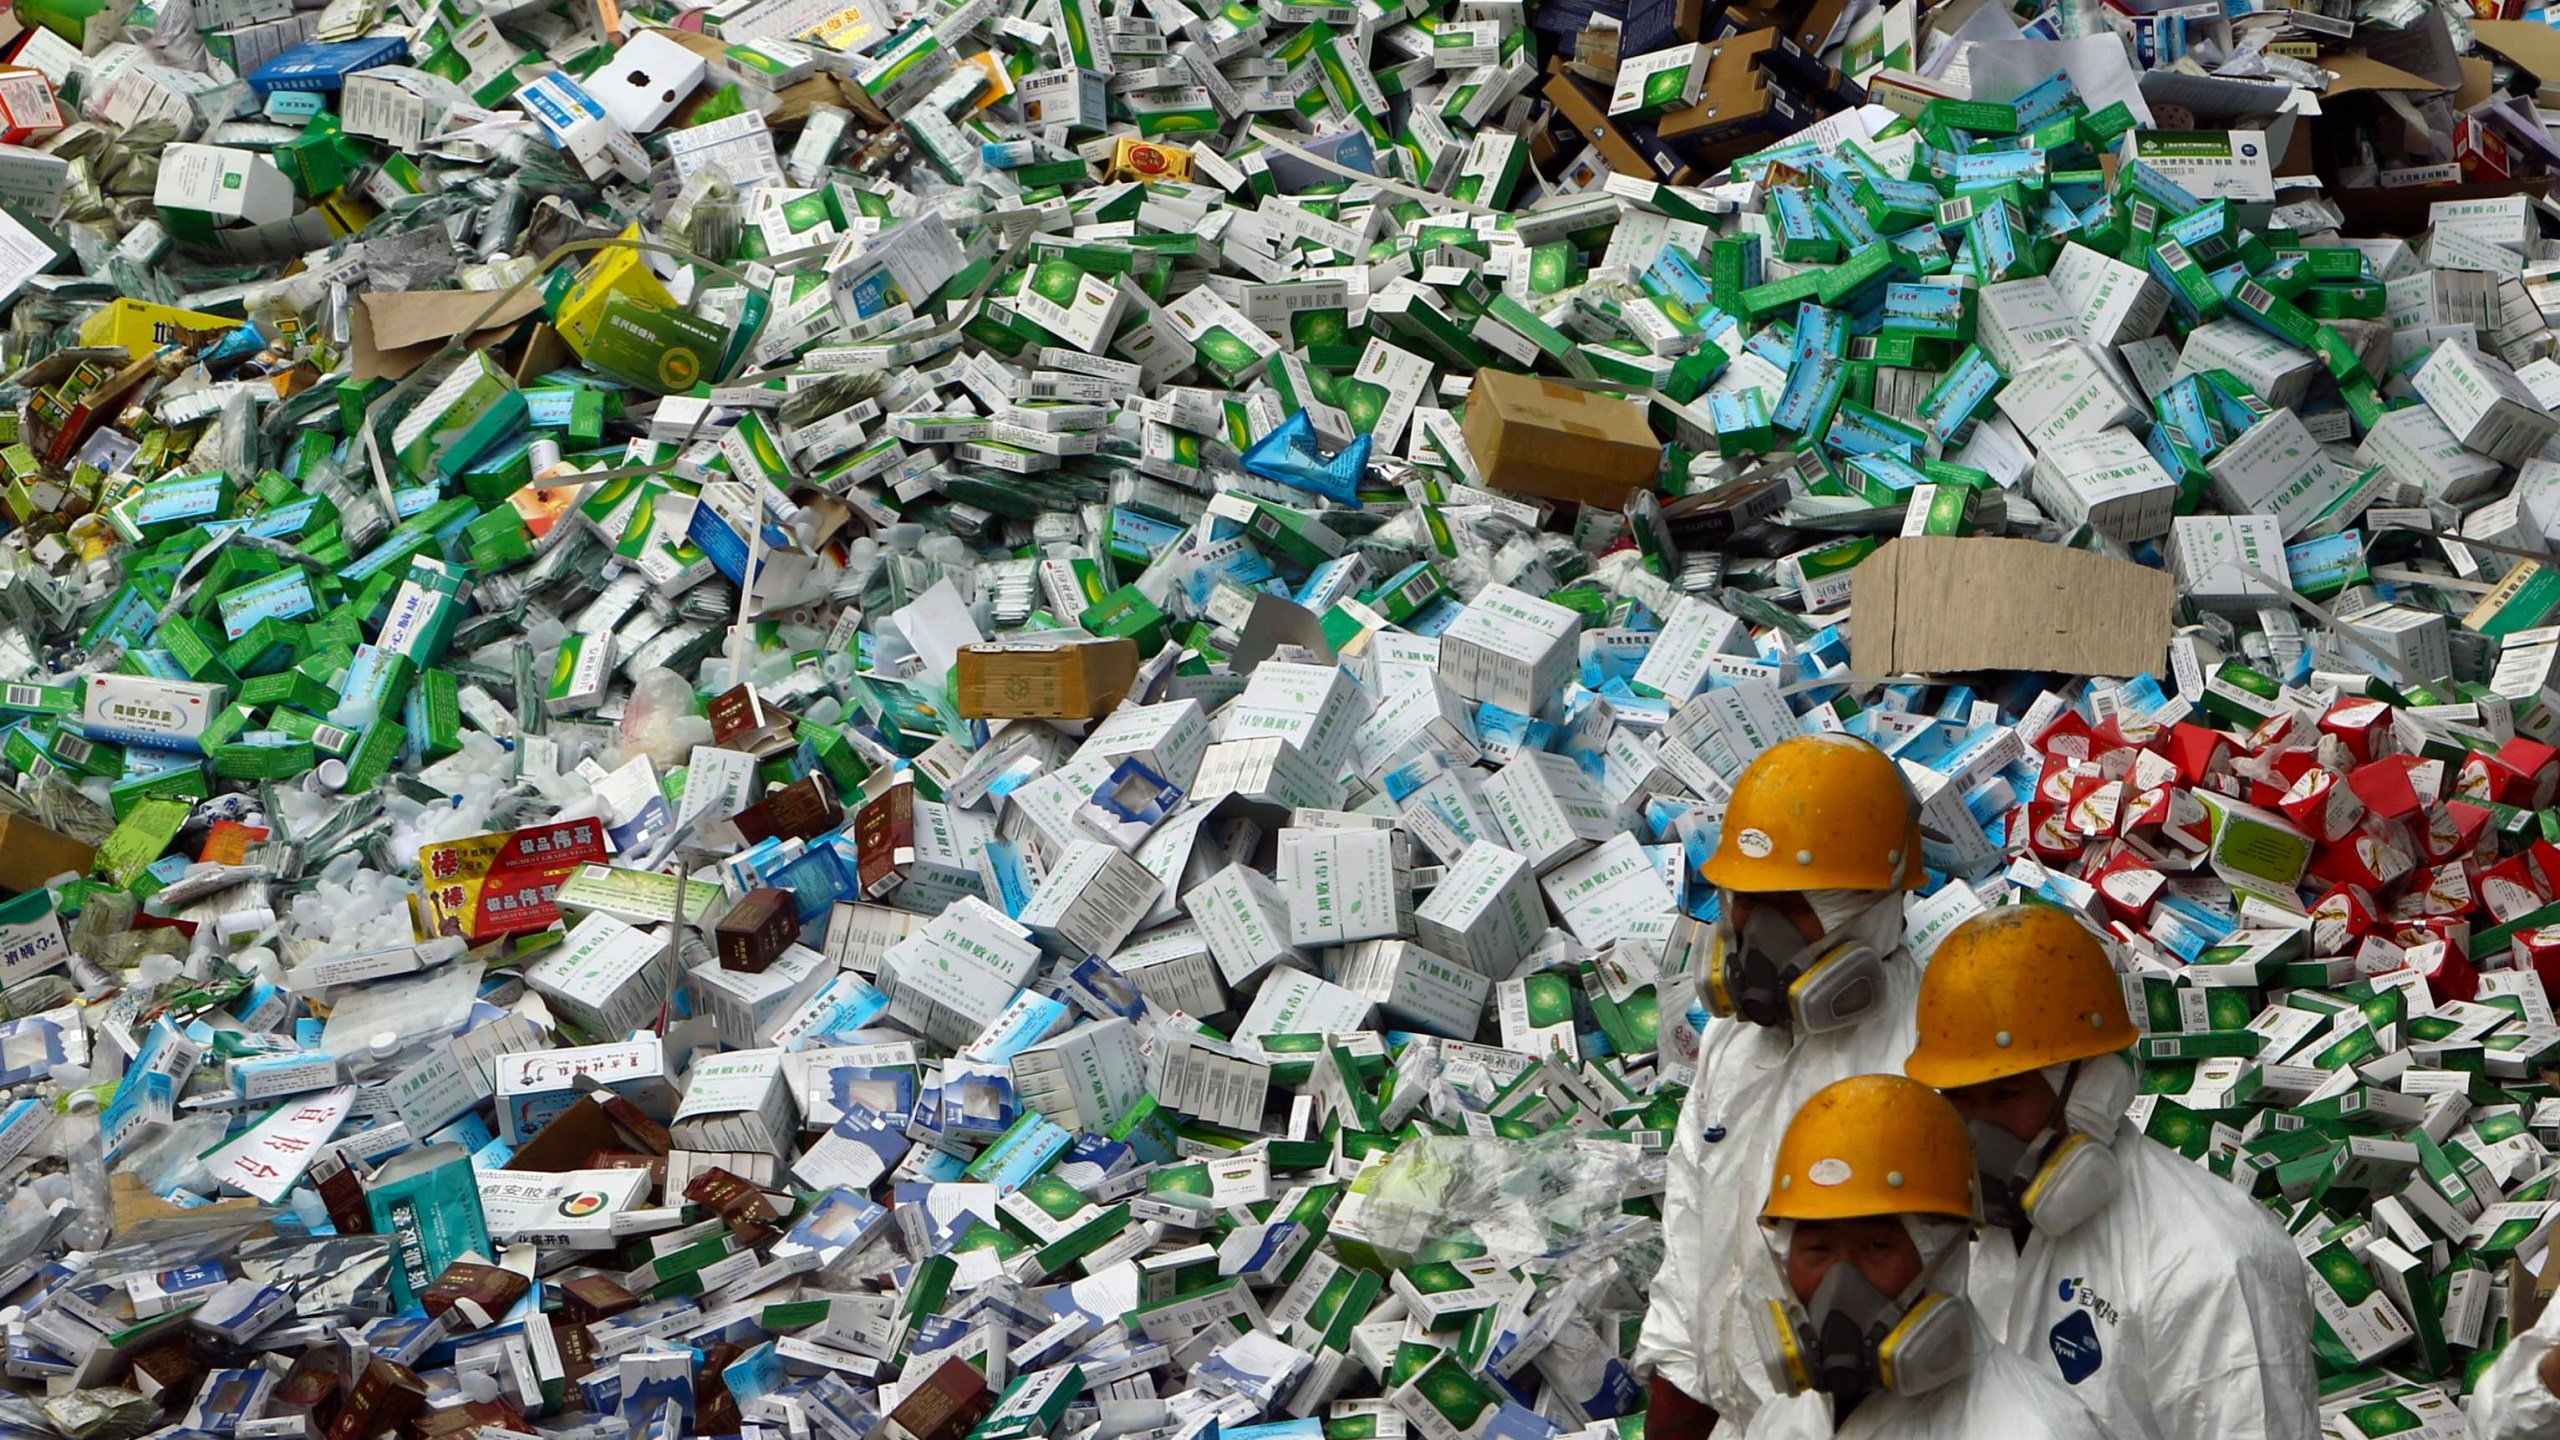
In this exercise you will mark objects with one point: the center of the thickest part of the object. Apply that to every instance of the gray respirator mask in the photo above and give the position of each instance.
(2069, 1171)
(1765, 971)
(1851, 1339)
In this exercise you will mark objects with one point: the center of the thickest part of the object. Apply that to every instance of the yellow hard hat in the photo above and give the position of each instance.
(1873, 1145)
(1818, 812)
(2018, 989)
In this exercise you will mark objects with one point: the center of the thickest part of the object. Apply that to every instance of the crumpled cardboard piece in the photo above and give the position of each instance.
(2530, 44)
(142, 1217)
(1950, 605)
(398, 332)
(2358, 72)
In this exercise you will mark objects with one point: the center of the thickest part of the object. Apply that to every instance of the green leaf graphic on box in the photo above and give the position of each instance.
(1364, 401)
(1225, 349)
(2506, 1237)
(2383, 1417)
(644, 523)
(1180, 1180)
(1055, 1197)
(2179, 1128)
(1550, 1001)
(1436, 1279)
(1448, 1388)
(1330, 1298)
(2345, 1275)
(1319, 327)
(1056, 280)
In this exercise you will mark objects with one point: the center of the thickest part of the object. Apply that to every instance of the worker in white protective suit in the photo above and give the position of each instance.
(1804, 974)
(2519, 1399)
(2174, 1306)
(1870, 1215)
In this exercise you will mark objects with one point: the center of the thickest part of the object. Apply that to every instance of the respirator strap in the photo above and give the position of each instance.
(2034, 1161)
(2041, 1156)
(2059, 1127)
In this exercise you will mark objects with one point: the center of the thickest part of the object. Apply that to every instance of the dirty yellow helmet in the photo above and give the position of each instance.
(1873, 1145)
(2018, 989)
(1818, 812)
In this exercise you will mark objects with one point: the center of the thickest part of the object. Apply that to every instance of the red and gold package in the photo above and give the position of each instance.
(2481, 152)
(1145, 160)
(484, 886)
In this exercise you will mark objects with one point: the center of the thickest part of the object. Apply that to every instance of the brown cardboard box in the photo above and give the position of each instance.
(1535, 437)
(1073, 680)
(31, 854)
(2356, 103)
(1941, 604)
(1736, 98)
(1587, 107)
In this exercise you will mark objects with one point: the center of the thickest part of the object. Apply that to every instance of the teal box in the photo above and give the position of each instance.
(284, 595)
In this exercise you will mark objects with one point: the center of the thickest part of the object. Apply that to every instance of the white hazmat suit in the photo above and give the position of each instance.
(2511, 1402)
(2179, 1311)
(2004, 1398)
(1715, 1265)
(2000, 1397)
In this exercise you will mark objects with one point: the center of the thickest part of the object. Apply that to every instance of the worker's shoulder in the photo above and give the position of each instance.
(2012, 1399)
(2218, 1228)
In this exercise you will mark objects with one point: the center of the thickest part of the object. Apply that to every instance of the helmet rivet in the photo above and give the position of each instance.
(1786, 1182)
(1893, 1178)
(2001, 1039)
(1804, 857)
(1893, 857)
(2097, 1021)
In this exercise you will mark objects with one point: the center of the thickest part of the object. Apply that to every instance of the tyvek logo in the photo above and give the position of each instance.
(2075, 1344)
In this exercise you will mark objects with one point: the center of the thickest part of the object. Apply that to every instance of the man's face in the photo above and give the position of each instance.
(1791, 904)
(2023, 1105)
(1881, 1249)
